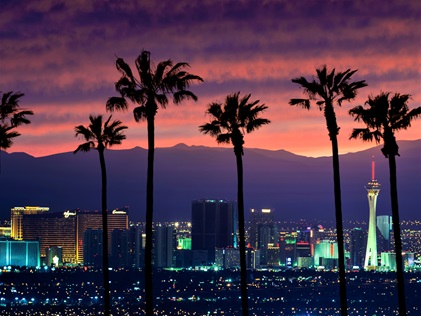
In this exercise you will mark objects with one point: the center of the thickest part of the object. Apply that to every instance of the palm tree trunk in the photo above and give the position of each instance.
(339, 225)
(105, 271)
(149, 218)
(243, 266)
(397, 235)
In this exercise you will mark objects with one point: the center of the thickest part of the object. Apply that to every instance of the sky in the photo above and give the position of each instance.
(61, 55)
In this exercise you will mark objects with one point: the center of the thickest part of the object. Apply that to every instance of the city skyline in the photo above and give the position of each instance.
(62, 56)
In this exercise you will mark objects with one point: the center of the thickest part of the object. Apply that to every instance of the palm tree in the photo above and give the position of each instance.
(330, 88)
(11, 116)
(383, 117)
(230, 121)
(149, 91)
(99, 136)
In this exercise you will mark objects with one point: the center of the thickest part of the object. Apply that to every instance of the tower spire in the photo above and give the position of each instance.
(373, 189)
(372, 169)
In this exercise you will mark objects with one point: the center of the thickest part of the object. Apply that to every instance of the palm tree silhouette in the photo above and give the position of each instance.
(11, 116)
(149, 91)
(99, 136)
(383, 117)
(330, 88)
(230, 121)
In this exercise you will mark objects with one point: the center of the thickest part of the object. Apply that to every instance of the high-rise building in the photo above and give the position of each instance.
(324, 252)
(92, 250)
(52, 229)
(267, 237)
(258, 217)
(263, 231)
(21, 253)
(357, 247)
(16, 215)
(373, 189)
(384, 226)
(288, 249)
(165, 244)
(117, 219)
(214, 225)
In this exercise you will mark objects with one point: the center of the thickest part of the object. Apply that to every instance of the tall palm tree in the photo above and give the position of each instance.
(11, 116)
(383, 117)
(149, 91)
(230, 121)
(328, 89)
(99, 136)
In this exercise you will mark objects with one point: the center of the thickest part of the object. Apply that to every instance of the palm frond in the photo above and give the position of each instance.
(304, 103)
(212, 129)
(116, 104)
(256, 123)
(85, 147)
(322, 75)
(140, 113)
(143, 65)
(160, 71)
(182, 95)
(224, 138)
(7, 133)
(19, 118)
(86, 133)
(364, 133)
(124, 83)
(124, 69)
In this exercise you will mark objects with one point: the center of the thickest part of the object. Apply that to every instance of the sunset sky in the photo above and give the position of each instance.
(62, 54)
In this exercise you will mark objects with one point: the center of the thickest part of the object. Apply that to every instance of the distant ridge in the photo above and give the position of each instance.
(295, 186)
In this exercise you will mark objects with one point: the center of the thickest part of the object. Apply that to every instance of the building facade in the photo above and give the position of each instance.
(52, 229)
(16, 216)
(19, 253)
(214, 225)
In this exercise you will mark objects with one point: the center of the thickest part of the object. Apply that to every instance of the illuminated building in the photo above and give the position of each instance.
(164, 246)
(117, 219)
(356, 247)
(184, 243)
(288, 249)
(326, 254)
(214, 225)
(263, 231)
(253, 258)
(21, 253)
(16, 215)
(258, 217)
(54, 256)
(52, 229)
(303, 245)
(388, 260)
(384, 226)
(227, 258)
(267, 236)
(273, 257)
(373, 189)
(5, 231)
(305, 262)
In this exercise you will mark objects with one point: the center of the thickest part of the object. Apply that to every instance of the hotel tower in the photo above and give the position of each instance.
(373, 189)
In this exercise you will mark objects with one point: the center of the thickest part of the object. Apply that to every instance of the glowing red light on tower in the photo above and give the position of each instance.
(372, 169)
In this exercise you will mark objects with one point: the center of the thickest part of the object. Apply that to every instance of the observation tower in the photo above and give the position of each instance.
(373, 189)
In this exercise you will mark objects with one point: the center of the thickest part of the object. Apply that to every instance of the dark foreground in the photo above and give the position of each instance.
(79, 292)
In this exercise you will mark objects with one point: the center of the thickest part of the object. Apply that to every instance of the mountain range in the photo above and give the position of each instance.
(294, 186)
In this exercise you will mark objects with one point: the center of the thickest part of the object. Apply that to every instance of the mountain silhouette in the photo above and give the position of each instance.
(295, 186)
